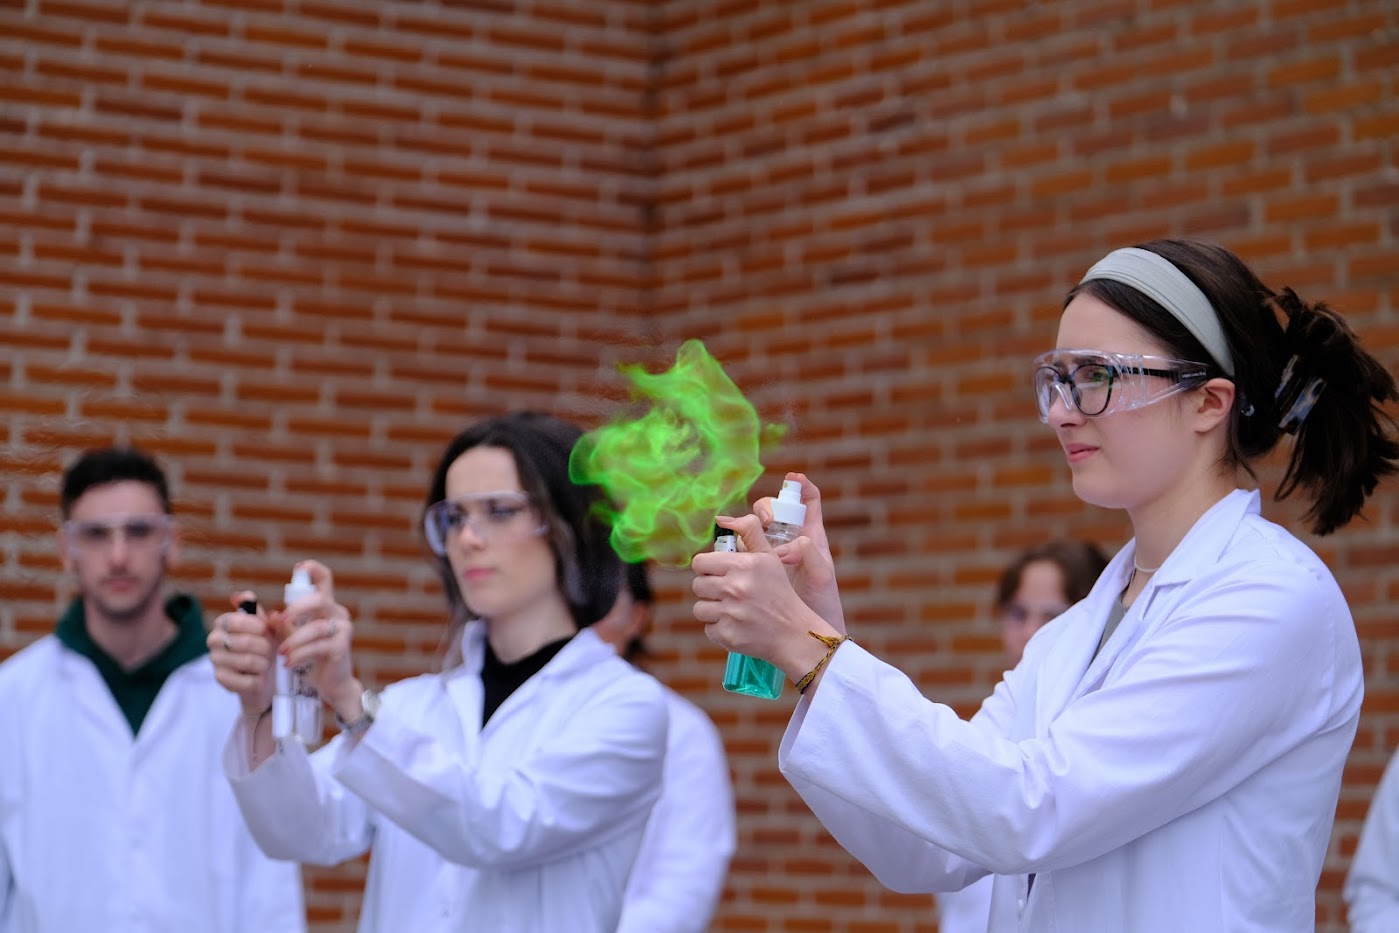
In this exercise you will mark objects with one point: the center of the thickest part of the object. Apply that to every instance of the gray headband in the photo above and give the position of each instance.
(1158, 279)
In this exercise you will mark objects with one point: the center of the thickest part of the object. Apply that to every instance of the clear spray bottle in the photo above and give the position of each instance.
(752, 676)
(296, 707)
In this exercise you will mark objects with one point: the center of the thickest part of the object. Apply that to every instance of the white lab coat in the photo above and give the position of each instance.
(528, 826)
(967, 910)
(103, 831)
(1185, 779)
(1372, 886)
(679, 874)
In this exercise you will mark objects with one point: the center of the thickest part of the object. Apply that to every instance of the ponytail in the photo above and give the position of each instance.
(1330, 394)
(1298, 369)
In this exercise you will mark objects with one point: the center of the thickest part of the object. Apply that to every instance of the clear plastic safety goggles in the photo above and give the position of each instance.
(138, 533)
(1098, 382)
(492, 516)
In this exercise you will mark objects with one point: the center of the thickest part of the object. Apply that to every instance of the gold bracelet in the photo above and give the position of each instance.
(832, 642)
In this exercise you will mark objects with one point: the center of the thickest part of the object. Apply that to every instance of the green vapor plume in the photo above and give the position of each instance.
(690, 455)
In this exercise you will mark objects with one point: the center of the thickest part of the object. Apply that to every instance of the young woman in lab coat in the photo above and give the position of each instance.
(511, 791)
(1167, 756)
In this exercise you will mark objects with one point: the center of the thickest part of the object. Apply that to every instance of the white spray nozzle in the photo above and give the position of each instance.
(299, 587)
(788, 507)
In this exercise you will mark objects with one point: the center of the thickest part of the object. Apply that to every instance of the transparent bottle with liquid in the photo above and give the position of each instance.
(296, 707)
(752, 676)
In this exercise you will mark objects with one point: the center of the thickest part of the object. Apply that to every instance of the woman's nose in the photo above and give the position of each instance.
(1062, 410)
(476, 538)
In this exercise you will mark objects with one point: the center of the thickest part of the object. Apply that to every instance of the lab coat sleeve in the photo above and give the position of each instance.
(1372, 886)
(679, 873)
(1240, 673)
(294, 809)
(900, 858)
(600, 775)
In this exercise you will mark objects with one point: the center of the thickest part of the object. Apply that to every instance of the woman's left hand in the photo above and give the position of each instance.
(748, 605)
(316, 637)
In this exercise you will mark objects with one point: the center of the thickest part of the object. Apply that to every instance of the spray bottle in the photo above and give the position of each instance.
(296, 708)
(751, 676)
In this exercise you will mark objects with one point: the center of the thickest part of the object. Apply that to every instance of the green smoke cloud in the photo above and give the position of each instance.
(691, 453)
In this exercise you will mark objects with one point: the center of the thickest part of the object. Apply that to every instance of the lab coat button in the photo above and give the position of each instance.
(1020, 906)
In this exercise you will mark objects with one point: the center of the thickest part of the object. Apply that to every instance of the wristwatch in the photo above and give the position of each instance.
(369, 701)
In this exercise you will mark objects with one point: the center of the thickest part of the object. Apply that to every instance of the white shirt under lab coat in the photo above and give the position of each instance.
(679, 874)
(103, 831)
(1184, 779)
(529, 825)
(1372, 885)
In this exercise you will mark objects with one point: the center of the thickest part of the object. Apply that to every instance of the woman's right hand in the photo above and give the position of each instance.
(808, 559)
(243, 649)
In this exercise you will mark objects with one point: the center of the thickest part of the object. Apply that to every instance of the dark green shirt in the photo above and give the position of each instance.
(135, 690)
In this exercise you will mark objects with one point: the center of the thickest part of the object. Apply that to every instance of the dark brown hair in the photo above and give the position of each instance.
(111, 465)
(1347, 444)
(588, 570)
(1079, 562)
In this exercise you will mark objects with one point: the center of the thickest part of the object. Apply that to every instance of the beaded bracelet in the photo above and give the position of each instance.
(832, 642)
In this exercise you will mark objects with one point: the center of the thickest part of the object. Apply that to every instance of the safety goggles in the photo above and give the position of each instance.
(1098, 382)
(136, 532)
(492, 516)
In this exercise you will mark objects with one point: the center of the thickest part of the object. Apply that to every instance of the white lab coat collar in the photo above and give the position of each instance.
(1199, 550)
(463, 683)
(582, 650)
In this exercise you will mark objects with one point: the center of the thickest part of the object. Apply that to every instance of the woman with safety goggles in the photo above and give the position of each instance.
(509, 792)
(1167, 755)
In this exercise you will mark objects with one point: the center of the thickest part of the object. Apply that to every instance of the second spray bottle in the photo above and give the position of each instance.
(755, 677)
(296, 707)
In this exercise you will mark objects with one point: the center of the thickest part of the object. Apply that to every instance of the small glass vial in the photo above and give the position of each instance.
(296, 707)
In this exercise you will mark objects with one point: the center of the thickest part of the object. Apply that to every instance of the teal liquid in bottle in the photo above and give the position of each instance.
(752, 676)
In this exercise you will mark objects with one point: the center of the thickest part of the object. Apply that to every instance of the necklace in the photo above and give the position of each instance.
(1136, 569)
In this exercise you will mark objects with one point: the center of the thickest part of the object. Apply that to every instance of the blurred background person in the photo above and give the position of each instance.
(1039, 585)
(1372, 884)
(679, 874)
(114, 811)
(509, 792)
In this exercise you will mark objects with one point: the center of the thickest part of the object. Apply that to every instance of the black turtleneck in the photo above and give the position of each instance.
(499, 679)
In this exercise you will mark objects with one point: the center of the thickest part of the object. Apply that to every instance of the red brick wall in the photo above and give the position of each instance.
(293, 246)
(293, 249)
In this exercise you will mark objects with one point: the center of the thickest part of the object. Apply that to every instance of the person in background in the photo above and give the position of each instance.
(1168, 753)
(1372, 884)
(114, 812)
(679, 874)
(511, 790)
(1037, 587)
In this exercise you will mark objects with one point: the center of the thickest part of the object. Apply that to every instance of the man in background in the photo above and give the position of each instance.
(114, 811)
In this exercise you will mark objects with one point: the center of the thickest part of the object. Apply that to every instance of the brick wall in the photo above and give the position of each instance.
(293, 249)
(871, 212)
(293, 246)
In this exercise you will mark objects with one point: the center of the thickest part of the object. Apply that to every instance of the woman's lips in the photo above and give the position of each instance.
(1079, 452)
